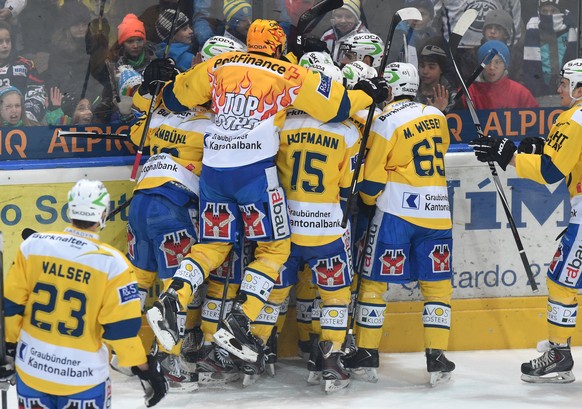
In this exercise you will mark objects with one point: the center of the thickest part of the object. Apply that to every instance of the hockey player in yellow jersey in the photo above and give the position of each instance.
(250, 93)
(410, 236)
(550, 162)
(69, 295)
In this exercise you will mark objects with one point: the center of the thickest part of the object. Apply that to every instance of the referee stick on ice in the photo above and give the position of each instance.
(455, 37)
(154, 99)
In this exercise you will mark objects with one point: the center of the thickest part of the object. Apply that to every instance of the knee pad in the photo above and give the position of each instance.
(371, 307)
(257, 284)
(437, 291)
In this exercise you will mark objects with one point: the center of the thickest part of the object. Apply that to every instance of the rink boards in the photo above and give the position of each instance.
(493, 306)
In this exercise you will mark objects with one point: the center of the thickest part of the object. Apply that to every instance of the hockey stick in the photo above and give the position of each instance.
(74, 134)
(408, 13)
(2, 327)
(153, 101)
(477, 72)
(100, 32)
(310, 18)
(494, 174)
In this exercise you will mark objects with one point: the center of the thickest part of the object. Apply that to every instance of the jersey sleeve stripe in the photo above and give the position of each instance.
(550, 172)
(11, 308)
(170, 99)
(122, 329)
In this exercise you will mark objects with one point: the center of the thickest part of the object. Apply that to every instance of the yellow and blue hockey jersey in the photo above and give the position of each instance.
(404, 173)
(315, 163)
(66, 294)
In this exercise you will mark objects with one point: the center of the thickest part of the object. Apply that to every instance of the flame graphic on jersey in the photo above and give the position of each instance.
(271, 100)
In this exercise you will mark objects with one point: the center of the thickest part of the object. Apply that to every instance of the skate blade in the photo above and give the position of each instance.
(555, 377)
(154, 316)
(224, 339)
(438, 378)
(215, 378)
(270, 369)
(314, 377)
(125, 370)
(333, 385)
(365, 374)
(182, 387)
(249, 380)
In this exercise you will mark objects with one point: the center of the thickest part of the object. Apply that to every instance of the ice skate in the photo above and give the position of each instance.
(252, 371)
(215, 367)
(438, 366)
(363, 362)
(303, 348)
(315, 362)
(333, 376)
(191, 350)
(178, 379)
(235, 336)
(162, 317)
(554, 366)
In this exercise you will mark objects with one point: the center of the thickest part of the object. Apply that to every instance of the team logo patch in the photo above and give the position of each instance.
(558, 256)
(130, 242)
(78, 404)
(32, 403)
(128, 293)
(253, 219)
(176, 246)
(392, 262)
(441, 258)
(411, 201)
(330, 272)
(324, 87)
(217, 220)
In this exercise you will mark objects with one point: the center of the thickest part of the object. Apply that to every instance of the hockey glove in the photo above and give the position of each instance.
(159, 71)
(377, 88)
(494, 149)
(7, 371)
(531, 144)
(153, 382)
(313, 44)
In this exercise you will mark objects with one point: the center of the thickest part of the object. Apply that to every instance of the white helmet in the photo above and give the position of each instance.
(403, 78)
(218, 45)
(329, 70)
(89, 201)
(572, 71)
(356, 71)
(315, 57)
(359, 45)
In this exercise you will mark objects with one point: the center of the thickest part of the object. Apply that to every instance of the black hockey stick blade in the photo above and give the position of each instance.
(27, 232)
(406, 13)
(310, 18)
(461, 27)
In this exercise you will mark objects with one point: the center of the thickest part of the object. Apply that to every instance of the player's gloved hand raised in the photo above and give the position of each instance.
(493, 149)
(532, 144)
(313, 44)
(377, 88)
(159, 71)
(7, 371)
(153, 382)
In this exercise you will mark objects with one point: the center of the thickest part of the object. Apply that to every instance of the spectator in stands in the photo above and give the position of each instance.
(150, 16)
(550, 41)
(68, 64)
(415, 32)
(498, 25)
(11, 108)
(237, 16)
(345, 22)
(180, 42)
(496, 90)
(20, 72)
(131, 50)
(434, 88)
(65, 110)
(207, 21)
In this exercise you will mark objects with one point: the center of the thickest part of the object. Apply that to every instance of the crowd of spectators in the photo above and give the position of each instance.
(61, 60)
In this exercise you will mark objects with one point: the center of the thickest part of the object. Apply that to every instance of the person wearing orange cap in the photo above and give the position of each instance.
(130, 50)
(250, 93)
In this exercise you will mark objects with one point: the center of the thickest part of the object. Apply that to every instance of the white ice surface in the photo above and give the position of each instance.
(482, 379)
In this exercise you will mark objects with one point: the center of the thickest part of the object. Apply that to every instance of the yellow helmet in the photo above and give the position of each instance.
(265, 36)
